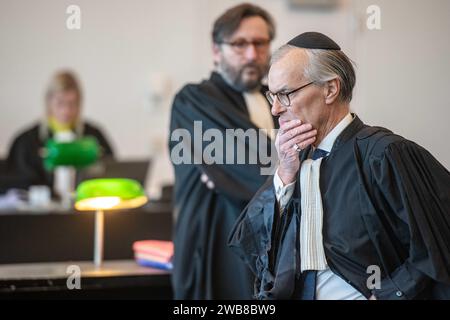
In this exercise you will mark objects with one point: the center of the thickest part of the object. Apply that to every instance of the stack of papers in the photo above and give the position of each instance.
(154, 253)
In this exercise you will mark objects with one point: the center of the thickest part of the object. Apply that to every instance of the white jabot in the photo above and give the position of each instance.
(312, 254)
(259, 111)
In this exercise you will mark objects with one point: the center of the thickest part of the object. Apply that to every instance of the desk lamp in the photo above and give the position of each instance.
(104, 195)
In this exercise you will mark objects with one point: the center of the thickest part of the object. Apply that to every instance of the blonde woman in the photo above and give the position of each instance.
(63, 115)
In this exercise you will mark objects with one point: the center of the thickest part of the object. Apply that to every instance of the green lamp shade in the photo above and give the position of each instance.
(79, 153)
(109, 194)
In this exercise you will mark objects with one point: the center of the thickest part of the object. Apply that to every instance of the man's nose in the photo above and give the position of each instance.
(251, 52)
(277, 107)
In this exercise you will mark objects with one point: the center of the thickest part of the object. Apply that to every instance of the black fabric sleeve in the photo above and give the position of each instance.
(416, 188)
(236, 181)
(105, 145)
(271, 254)
(24, 162)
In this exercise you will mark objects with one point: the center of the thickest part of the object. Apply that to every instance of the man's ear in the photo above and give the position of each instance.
(332, 90)
(217, 53)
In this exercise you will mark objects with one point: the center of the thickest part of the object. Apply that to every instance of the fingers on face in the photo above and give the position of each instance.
(297, 135)
(293, 145)
(299, 129)
(305, 143)
(290, 124)
(302, 140)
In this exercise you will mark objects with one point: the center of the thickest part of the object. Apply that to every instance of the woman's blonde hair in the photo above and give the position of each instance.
(63, 81)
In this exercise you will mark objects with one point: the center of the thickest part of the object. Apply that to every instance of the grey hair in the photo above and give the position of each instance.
(325, 65)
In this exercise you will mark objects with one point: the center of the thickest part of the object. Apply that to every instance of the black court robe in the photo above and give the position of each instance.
(25, 163)
(386, 202)
(204, 266)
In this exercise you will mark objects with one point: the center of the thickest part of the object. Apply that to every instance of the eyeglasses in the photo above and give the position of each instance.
(240, 46)
(283, 97)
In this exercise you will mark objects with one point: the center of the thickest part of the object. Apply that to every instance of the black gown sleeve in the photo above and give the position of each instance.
(106, 147)
(414, 186)
(24, 161)
(236, 181)
(269, 244)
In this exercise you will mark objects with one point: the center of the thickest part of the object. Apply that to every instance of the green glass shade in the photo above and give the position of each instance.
(79, 153)
(109, 194)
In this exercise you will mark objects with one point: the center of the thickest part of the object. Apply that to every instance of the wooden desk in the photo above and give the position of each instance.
(55, 236)
(120, 279)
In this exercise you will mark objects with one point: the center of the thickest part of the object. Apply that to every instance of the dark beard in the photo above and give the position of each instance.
(234, 77)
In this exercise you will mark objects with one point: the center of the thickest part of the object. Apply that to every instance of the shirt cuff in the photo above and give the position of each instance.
(282, 192)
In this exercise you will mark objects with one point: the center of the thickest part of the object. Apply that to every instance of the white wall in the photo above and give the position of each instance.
(402, 73)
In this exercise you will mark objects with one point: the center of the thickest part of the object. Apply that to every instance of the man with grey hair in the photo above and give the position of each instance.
(353, 212)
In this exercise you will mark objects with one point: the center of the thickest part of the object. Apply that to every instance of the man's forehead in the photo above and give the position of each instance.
(288, 70)
(252, 27)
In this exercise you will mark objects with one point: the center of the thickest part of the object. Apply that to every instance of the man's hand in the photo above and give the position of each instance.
(292, 133)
